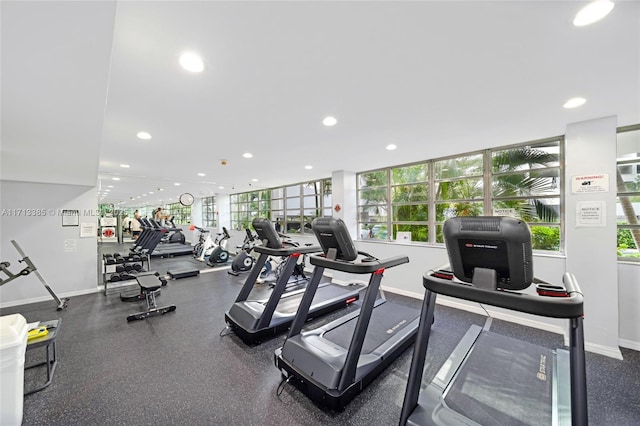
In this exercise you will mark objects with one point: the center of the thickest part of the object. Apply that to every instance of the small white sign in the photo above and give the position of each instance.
(108, 221)
(88, 230)
(70, 245)
(403, 237)
(590, 183)
(591, 213)
(505, 212)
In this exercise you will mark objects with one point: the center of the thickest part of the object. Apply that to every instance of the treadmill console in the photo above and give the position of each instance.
(490, 251)
(266, 232)
(332, 233)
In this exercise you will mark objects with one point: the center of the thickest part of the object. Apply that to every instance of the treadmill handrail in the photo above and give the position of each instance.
(358, 268)
(286, 251)
(553, 307)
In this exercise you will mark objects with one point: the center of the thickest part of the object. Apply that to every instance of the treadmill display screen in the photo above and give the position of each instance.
(501, 244)
(333, 234)
(266, 232)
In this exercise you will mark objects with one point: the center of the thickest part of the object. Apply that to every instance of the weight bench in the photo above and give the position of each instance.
(149, 286)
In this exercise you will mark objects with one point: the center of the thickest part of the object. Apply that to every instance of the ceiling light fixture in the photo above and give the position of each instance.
(109, 186)
(391, 147)
(221, 187)
(247, 155)
(144, 136)
(177, 184)
(125, 166)
(254, 180)
(574, 103)
(192, 62)
(329, 121)
(593, 12)
(201, 174)
(308, 167)
(116, 178)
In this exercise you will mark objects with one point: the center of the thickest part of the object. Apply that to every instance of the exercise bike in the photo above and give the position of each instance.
(205, 245)
(220, 254)
(244, 260)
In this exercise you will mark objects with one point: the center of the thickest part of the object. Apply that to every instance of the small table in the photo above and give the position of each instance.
(47, 341)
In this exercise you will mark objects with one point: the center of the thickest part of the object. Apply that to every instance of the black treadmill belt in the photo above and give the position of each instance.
(387, 319)
(504, 382)
(289, 303)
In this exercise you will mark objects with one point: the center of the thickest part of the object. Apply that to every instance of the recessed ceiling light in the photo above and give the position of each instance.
(574, 103)
(116, 178)
(107, 190)
(125, 166)
(160, 189)
(329, 121)
(191, 61)
(593, 12)
(150, 192)
(308, 167)
(201, 174)
(254, 180)
(138, 196)
(221, 187)
(247, 155)
(391, 147)
(177, 184)
(144, 136)
(109, 186)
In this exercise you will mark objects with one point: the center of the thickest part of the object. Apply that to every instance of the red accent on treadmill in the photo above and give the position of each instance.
(443, 275)
(295, 255)
(353, 299)
(379, 271)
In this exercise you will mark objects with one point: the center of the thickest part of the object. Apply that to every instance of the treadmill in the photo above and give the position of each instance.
(169, 249)
(257, 320)
(491, 379)
(333, 363)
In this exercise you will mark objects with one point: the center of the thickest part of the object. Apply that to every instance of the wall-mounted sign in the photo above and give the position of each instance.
(590, 183)
(505, 212)
(88, 230)
(591, 213)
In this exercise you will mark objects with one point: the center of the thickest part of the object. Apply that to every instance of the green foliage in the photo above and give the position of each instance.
(545, 238)
(625, 239)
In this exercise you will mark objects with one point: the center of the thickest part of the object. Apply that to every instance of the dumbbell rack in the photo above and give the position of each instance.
(110, 263)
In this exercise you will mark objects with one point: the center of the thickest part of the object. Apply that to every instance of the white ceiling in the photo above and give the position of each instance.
(80, 79)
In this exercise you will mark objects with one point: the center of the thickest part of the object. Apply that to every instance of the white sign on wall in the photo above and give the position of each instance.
(590, 183)
(591, 213)
(505, 212)
(88, 230)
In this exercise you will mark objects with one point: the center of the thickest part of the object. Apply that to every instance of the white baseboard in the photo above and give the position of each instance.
(630, 344)
(46, 298)
(609, 351)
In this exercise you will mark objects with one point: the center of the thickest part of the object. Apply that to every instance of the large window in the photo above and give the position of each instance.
(628, 184)
(294, 207)
(209, 212)
(181, 214)
(521, 181)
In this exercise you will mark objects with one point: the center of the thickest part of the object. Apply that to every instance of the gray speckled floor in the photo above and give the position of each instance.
(176, 369)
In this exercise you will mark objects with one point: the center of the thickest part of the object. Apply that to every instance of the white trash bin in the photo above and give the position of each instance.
(13, 345)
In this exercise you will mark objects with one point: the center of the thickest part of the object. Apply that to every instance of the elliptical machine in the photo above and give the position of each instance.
(244, 261)
(220, 254)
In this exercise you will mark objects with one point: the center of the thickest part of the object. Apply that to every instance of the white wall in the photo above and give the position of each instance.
(591, 250)
(42, 238)
(628, 302)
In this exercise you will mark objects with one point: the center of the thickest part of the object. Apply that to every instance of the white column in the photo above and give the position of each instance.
(591, 250)
(344, 195)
